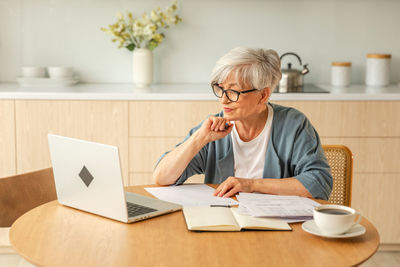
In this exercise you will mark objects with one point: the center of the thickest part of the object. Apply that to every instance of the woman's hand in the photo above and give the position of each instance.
(214, 128)
(232, 185)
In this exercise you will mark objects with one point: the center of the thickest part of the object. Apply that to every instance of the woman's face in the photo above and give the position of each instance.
(248, 104)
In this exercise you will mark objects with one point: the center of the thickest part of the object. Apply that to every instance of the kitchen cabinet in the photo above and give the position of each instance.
(7, 138)
(167, 118)
(156, 127)
(99, 121)
(351, 118)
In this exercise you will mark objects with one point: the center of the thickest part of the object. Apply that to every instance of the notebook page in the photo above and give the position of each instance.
(210, 218)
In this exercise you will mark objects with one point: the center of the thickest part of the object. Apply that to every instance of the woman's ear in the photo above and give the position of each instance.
(265, 94)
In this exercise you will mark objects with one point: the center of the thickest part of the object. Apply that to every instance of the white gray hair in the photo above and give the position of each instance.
(259, 68)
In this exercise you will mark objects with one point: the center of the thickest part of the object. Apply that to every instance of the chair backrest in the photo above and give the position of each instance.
(340, 159)
(23, 192)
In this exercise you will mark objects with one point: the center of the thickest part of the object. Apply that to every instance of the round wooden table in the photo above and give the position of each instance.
(55, 235)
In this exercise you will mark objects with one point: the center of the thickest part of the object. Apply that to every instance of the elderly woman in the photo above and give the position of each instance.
(252, 145)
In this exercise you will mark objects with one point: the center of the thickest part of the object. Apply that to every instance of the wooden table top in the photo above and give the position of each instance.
(55, 235)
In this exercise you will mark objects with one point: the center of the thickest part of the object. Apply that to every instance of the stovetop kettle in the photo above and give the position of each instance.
(292, 79)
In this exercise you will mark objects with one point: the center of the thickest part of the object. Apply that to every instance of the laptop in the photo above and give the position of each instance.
(88, 177)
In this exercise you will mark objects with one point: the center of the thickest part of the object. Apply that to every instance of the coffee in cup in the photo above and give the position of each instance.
(335, 219)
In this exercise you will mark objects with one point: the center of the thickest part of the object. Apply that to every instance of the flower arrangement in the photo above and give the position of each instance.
(144, 32)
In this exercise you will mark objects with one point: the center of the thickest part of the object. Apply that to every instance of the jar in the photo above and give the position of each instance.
(378, 69)
(341, 74)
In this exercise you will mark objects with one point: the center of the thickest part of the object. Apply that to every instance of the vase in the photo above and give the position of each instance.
(142, 67)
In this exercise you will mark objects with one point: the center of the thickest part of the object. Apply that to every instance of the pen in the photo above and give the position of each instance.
(224, 206)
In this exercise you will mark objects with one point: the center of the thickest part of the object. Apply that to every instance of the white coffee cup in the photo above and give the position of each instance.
(335, 219)
(60, 72)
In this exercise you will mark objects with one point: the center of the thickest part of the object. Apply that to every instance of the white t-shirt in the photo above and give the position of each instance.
(249, 157)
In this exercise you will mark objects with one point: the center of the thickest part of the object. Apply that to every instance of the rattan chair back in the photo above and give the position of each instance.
(340, 159)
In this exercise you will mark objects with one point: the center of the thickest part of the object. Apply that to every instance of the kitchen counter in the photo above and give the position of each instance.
(184, 91)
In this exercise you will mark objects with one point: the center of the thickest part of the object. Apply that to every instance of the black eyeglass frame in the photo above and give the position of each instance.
(231, 90)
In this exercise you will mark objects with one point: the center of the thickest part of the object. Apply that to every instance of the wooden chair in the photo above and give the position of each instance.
(19, 194)
(340, 159)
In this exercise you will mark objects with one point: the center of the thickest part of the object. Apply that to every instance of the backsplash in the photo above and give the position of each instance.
(67, 33)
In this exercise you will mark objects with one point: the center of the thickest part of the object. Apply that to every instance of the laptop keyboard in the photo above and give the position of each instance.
(135, 209)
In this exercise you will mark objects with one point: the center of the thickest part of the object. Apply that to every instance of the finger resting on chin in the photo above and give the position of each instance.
(218, 125)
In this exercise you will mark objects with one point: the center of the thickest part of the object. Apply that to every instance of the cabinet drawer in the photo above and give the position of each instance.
(144, 152)
(376, 155)
(168, 118)
(140, 178)
(351, 118)
(376, 197)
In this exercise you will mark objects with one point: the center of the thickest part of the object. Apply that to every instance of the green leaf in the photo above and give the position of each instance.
(152, 44)
(130, 47)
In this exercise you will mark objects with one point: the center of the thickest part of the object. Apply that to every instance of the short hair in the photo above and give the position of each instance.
(259, 68)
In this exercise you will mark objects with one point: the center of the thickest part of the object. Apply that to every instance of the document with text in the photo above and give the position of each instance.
(292, 208)
(190, 195)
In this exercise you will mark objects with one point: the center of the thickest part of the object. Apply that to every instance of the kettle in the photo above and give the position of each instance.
(292, 79)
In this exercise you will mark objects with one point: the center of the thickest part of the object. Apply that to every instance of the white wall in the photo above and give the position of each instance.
(61, 32)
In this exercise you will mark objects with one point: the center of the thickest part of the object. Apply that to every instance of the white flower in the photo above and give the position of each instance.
(154, 16)
(145, 31)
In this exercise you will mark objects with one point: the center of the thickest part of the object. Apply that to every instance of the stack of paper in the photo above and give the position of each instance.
(190, 195)
(290, 208)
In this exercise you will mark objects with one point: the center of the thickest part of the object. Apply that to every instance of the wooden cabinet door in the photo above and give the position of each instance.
(156, 127)
(98, 121)
(351, 118)
(7, 138)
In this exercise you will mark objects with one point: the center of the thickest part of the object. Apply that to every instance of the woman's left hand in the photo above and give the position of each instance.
(232, 185)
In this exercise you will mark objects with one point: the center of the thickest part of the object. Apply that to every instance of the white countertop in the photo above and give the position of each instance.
(182, 91)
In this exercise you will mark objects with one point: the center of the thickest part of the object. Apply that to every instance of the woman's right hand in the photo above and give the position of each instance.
(171, 167)
(215, 128)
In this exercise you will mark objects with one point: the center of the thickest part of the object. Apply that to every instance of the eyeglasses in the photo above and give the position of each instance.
(232, 95)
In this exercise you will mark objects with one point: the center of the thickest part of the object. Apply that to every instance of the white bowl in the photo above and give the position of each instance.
(60, 72)
(33, 72)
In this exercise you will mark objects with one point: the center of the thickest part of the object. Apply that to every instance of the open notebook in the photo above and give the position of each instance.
(206, 218)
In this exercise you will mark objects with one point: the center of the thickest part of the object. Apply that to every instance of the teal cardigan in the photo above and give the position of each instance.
(294, 150)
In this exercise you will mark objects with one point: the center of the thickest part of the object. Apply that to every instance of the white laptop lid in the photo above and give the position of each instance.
(88, 176)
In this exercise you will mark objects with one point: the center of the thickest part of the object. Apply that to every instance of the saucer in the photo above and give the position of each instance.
(46, 82)
(312, 228)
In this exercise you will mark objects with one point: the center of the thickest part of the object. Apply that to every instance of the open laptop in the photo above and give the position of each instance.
(88, 177)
